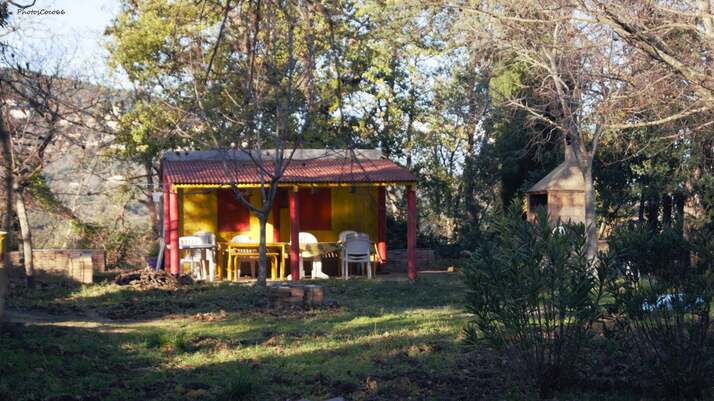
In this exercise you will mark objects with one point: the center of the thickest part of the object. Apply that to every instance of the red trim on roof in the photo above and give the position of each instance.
(299, 171)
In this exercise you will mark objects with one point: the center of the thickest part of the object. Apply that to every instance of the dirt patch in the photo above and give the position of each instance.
(212, 343)
(210, 316)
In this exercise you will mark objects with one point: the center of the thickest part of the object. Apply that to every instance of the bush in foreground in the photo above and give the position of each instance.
(663, 292)
(534, 294)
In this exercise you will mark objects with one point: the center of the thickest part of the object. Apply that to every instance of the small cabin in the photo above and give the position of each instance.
(322, 192)
(561, 192)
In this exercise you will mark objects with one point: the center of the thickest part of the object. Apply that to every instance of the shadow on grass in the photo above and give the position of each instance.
(385, 341)
(107, 300)
(84, 364)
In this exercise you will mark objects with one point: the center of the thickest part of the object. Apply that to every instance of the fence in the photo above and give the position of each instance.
(397, 259)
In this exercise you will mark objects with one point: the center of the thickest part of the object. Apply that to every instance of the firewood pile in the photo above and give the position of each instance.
(296, 294)
(148, 279)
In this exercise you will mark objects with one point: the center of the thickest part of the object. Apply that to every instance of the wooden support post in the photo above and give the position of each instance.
(411, 232)
(294, 205)
(173, 231)
(167, 227)
(382, 226)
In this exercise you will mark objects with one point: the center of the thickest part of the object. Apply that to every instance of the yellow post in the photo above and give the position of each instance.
(2, 245)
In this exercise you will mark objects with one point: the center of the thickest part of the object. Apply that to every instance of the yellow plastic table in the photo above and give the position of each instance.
(276, 250)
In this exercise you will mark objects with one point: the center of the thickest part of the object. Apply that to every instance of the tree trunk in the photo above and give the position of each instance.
(652, 213)
(7, 218)
(26, 235)
(679, 201)
(667, 210)
(590, 213)
(469, 188)
(263, 258)
(8, 186)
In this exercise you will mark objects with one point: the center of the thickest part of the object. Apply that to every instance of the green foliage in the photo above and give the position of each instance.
(534, 294)
(153, 340)
(508, 83)
(662, 254)
(241, 386)
(150, 37)
(663, 290)
(523, 151)
(123, 245)
(143, 131)
(180, 342)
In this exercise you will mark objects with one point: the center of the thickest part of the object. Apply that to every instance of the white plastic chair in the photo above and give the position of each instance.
(310, 255)
(208, 238)
(356, 249)
(242, 239)
(190, 255)
(342, 236)
(245, 239)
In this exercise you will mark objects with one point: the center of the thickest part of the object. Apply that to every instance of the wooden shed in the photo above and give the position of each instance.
(561, 192)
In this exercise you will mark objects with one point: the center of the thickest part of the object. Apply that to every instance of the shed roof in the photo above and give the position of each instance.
(565, 177)
(308, 166)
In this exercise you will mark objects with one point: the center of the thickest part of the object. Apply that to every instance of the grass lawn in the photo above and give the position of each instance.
(375, 340)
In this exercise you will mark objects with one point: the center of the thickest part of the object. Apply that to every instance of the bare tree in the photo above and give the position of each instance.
(587, 84)
(250, 80)
(5, 153)
(38, 111)
(274, 98)
(676, 34)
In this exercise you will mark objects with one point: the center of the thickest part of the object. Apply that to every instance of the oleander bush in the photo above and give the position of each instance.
(662, 296)
(534, 295)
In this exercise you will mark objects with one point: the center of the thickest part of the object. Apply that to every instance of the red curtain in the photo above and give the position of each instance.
(315, 209)
(233, 216)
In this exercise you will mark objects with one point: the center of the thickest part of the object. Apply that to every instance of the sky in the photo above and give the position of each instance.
(73, 39)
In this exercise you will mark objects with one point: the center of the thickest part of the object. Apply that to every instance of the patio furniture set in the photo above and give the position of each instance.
(206, 259)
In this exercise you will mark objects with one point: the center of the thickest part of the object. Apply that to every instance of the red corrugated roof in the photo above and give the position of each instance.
(299, 171)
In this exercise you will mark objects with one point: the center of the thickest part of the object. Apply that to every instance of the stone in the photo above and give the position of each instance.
(314, 295)
(280, 291)
(291, 300)
(297, 292)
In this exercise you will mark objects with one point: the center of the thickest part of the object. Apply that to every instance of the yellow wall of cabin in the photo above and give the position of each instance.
(199, 211)
(355, 210)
